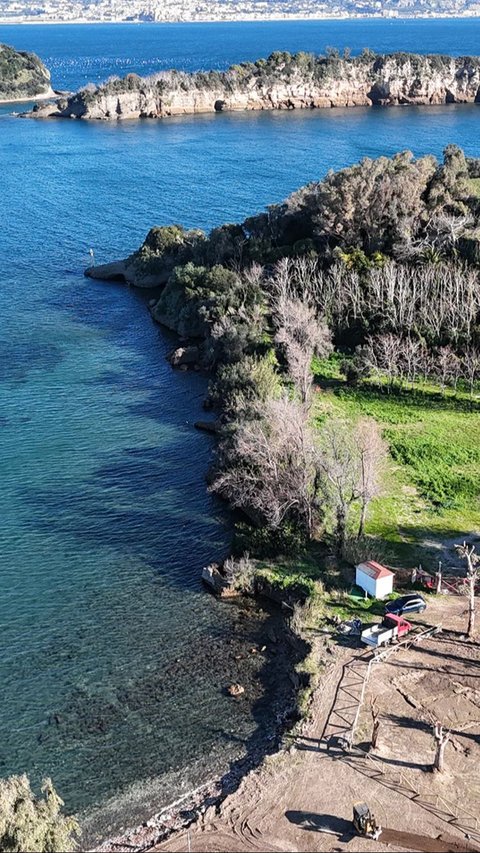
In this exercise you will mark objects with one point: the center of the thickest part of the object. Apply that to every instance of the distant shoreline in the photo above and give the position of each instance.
(245, 19)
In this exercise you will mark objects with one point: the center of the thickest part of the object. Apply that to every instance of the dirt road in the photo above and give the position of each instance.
(301, 800)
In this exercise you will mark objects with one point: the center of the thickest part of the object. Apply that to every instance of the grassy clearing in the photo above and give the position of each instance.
(432, 485)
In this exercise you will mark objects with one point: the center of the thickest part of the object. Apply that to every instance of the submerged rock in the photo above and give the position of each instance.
(208, 426)
(235, 690)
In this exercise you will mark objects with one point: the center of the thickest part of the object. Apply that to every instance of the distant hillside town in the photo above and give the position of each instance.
(71, 11)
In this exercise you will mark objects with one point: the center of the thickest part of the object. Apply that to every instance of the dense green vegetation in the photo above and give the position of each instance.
(369, 282)
(22, 75)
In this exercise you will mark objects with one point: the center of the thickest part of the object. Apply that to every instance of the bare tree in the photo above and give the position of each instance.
(351, 461)
(300, 333)
(467, 552)
(440, 299)
(447, 367)
(441, 739)
(269, 467)
(372, 451)
(411, 358)
(445, 229)
(387, 354)
(471, 367)
(340, 466)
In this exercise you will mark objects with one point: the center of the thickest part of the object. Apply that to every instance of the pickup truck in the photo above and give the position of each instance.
(391, 629)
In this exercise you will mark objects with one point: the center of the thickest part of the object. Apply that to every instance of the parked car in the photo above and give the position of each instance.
(406, 604)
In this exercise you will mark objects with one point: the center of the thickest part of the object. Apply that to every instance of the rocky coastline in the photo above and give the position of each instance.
(286, 649)
(281, 82)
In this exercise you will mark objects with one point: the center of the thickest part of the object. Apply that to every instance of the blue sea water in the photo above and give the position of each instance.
(79, 54)
(105, 522)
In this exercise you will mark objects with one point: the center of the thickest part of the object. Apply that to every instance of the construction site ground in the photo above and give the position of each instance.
(301, 799)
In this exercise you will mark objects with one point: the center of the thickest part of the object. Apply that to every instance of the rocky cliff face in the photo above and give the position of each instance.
(285, 82)
(22, 76)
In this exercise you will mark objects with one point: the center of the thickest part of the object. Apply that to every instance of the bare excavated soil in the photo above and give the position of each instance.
(301, 799)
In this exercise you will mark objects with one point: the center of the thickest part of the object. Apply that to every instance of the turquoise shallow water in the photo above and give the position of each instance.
(105, 523)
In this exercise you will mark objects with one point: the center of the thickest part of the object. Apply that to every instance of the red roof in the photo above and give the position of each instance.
(374, 570)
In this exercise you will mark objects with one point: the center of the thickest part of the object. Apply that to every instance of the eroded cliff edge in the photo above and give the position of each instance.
(23, 76)
(283, 81)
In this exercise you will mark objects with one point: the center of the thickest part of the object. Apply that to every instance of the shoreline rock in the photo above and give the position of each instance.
(122, 271)
(188, 355)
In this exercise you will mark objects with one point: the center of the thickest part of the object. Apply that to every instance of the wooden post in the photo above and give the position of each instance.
(441, 740)
(439, 578)
(471, 604)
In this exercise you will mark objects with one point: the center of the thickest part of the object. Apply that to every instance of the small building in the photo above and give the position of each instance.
(374, 578)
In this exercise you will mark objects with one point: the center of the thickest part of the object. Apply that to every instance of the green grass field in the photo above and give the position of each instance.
(431, 489)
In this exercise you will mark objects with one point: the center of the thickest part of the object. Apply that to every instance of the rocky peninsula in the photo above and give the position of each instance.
(23, 76)
(283, 81)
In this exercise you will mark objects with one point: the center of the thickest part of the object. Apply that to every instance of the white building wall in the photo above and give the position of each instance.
(365, 582)
(377, 588)
(384, 586)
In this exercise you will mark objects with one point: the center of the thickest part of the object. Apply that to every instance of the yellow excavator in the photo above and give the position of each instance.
(364, 822)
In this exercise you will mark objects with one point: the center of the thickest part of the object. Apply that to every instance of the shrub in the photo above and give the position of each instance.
(33, 823)
(239, 386)
(240, 572)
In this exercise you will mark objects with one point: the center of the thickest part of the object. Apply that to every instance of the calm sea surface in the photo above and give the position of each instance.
(113, 661)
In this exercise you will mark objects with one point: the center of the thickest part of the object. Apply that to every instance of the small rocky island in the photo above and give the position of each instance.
(283, 81)
(23, 76)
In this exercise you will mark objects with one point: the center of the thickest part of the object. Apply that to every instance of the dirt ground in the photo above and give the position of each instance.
(301, 799)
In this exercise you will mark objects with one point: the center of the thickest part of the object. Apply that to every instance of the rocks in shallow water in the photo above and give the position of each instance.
(235, 690)
(208, 426)
(184, 356)
(218, 583)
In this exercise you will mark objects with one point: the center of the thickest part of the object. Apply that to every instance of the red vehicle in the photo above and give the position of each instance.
(392, 628)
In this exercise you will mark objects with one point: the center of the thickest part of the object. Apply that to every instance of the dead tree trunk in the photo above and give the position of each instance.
(441, 740)
(376, 722)
(363, 515)
(473, 571)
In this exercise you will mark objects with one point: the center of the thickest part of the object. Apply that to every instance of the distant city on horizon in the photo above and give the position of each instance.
(145, 11)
